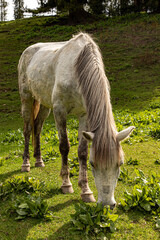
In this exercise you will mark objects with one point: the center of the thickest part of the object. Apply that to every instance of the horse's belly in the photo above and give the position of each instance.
(42, 92)
(40, 77)
(41, 88)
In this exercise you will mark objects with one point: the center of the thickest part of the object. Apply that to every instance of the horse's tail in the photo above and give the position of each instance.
(35, 111)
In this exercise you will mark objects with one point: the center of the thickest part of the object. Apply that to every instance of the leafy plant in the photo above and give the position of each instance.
(157, 161)
(146, 123)
(50, 154)
(73, 136)
(140, 177)
(25, 204)
(2, 161)
(132, 161)
(158, 222)
(74, 166)
(145, 196)
(155, 133)
(124, 175)
(13, 136)
(154, 105)
(50, 134)
(30, 206)
(20, 184)
(95, 220)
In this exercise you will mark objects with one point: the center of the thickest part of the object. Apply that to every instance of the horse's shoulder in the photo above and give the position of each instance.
(48, 46)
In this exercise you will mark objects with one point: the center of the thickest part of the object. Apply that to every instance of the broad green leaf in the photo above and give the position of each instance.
(126, 208)
(87, 229)
(104, 225)
(89, 219)
(146, 206)
(123, 203)
(104, 211)
(113, 217)
(158, 202)
(98, 218)
(99, 207)
(78, 224)
(23, 205)
(158, 223)
(20, 217)
(83, 218)
(21, 212)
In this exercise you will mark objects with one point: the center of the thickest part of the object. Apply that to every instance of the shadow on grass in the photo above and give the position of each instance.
(7, 175)
(64, 233)
(61, 206)
(12, 229)
(20, 229)
(134, 215)
(52, 192)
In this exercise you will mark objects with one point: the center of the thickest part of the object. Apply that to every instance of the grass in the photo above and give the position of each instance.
(131, 53)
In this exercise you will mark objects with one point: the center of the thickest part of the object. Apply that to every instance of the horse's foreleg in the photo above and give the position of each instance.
(26, 132)
(60, 119)
(87, 194)
(26, 113)
(38, 124)
(64, 150)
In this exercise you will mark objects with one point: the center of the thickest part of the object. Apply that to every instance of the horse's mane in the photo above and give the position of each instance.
(96, 93)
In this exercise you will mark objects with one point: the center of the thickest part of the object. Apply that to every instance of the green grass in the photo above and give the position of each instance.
(131, 53)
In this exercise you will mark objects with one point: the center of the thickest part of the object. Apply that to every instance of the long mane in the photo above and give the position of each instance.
(95, 89)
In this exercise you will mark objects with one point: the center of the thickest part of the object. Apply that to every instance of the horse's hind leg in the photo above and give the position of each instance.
(87, 194)
(60, 119)
(26, 114)
(38, 124)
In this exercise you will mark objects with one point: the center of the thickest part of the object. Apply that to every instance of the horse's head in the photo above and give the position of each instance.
(106, 176)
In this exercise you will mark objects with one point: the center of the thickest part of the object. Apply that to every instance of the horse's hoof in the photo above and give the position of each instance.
(39, 164)
(25, 168)
(67, 189)
(88, 197)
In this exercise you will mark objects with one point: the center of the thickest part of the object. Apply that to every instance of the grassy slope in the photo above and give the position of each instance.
(131, 51)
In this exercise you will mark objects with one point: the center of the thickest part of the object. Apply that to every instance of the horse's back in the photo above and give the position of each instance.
(47, 71)
(29, 52)
(33, 65)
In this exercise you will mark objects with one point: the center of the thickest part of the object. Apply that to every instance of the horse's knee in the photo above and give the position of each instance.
(64, 147)
(83, 151)
(27, 129)
(37, 128)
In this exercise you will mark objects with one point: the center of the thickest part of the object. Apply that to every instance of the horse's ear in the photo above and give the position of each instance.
(88, 135)
(125, 133)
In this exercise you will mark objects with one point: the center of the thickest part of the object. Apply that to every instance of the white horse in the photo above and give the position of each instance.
(69, 78)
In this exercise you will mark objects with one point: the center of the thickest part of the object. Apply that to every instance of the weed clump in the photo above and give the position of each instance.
(94, 220)
(20, 185)
(155, 133)
(25, 197)
(30, 206)
(145, 195)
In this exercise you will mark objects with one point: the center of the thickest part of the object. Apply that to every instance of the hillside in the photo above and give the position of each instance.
(130, 47)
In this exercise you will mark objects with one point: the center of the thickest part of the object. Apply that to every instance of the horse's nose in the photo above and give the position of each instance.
(112, 206)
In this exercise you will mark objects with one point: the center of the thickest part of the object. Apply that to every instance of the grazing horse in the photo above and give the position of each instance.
(69, 78)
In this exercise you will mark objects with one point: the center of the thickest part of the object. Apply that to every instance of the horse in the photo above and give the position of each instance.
(69, 78)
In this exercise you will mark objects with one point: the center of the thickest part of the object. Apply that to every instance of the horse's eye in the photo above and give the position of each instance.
(121, 162)
(92, 164)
